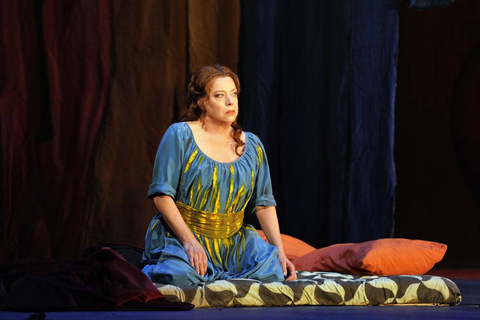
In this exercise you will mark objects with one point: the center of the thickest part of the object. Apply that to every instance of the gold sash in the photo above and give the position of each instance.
(211, 224)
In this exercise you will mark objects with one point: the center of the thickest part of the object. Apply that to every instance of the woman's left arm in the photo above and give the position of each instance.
(267, 216)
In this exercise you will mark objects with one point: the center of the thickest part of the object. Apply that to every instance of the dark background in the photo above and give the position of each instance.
(437, 129)
(368, 111)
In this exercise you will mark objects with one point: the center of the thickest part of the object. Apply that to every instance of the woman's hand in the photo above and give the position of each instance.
(267, 216)
(195, 252)
(197, 256)
(287, 267)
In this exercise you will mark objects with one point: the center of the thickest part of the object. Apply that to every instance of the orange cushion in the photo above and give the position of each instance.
(376, 257)
(293, 247)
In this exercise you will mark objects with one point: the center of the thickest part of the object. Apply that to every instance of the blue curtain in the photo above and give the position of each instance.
(318, 89)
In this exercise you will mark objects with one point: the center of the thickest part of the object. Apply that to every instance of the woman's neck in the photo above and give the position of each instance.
(217, 128)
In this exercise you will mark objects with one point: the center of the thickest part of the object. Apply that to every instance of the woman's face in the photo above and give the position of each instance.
(222, 104)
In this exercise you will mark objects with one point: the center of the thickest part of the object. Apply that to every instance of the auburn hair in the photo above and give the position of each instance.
(198, 91)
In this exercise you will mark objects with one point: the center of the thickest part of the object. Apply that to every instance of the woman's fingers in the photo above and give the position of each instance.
(291, 277)
(204, 266)
(283, 263)
(284, 267)
(197, 265)
(197, 257)
(292, 274)
(287, 267)
(201, 261)
(191, 258)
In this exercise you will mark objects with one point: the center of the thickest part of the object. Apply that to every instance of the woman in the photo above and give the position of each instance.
(206, 172)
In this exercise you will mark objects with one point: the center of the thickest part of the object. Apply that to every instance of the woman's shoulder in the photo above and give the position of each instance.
(179, 129)
(253, 138)
(254, 149)
(176, 133)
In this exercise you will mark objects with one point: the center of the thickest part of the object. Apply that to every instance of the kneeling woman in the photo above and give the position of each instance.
(206, 172)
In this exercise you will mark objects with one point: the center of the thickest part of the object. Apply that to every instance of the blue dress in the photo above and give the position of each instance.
(183, 172)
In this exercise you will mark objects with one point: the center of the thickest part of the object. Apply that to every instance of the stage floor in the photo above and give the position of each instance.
(468, 309)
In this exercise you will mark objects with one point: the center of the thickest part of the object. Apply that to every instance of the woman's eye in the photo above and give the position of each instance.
(234, 94)
(219, 95)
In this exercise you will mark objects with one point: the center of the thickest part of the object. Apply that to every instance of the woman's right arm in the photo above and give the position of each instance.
(195, 251)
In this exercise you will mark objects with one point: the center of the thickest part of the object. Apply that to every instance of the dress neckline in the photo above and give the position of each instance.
(210, 158)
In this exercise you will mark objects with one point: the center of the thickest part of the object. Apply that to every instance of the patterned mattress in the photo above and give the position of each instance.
(320, 289)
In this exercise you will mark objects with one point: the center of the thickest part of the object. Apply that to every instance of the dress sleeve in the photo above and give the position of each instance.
(168, 164)
(262, 191)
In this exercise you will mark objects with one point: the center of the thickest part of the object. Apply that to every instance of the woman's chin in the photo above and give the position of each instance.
(230, 118)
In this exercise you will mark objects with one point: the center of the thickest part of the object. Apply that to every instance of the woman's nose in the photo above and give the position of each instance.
(229, 101)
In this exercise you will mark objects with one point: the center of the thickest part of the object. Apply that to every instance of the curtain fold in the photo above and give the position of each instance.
(147, 87)
(21, 98)
(320, 83)
(51, 114)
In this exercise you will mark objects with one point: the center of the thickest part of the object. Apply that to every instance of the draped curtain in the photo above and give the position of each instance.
(87, 89)
(319, 83)
(55, 77)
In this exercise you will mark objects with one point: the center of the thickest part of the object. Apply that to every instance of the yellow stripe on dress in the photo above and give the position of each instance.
(213, 255)
(204, 199)
(250, 192)
(215, 202)
(259, 155)
(199, 191)
(228, 207)
(236, 200)
(154, 224)
(191, 195)
(217, 249)
(240, 250)
(190, 160)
